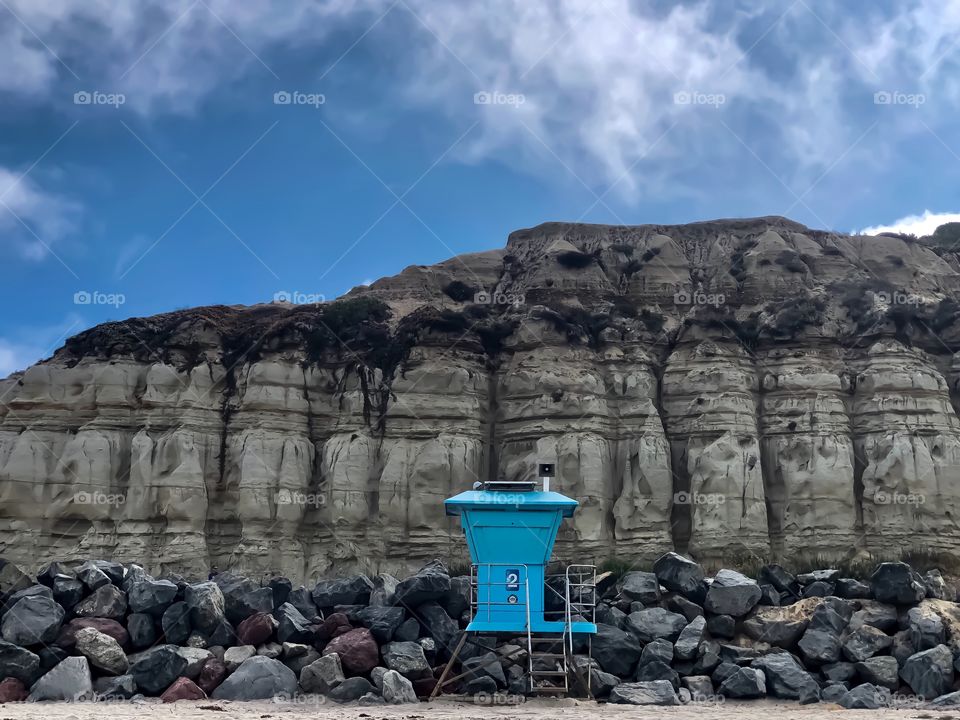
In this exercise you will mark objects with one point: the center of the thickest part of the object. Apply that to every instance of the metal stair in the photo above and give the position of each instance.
(547, 668)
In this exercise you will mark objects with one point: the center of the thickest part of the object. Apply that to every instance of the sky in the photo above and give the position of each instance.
(163, 154)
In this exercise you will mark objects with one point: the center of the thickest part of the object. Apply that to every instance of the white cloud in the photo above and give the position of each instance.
(33, 218)
(598, 78)
(918, 225)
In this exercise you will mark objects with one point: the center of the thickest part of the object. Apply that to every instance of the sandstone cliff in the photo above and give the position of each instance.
(730, 388)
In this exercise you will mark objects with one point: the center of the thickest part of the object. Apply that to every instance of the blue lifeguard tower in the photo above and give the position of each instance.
(510, 528)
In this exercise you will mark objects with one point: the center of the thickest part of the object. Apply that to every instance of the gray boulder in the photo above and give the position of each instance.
(384, 587)
(655, 692)
(302, 600)
(234, 657)
(929, 672)
(780, 579)
(657, 670)
(258, 678)
(641, 587)
(176, 623)
(431, 582)
(408, 631)
(820, 646)
(839, 671)
(292, 626)
(155, 670)
(396, 689)
(142, 630)
(69, 681)
(865, 642)
(679, 574)
(926, 627)
(721, 626)
(685, 648)
(865, 697)
(103, 652)
(438, 625)
(382, 621)
(344, 591)
(243, 597)
(351, 690)
(123, 687)
(949, 700)
(660, 649)
(732, 593)
(880, 670)
(322, 675)
(107, 601)
(92, 576)
(744, 682)
(876, 614)
(616, 651)
(852, 589)
(32, 620)
(896, 583)
(67, 591)
(151, 596)
(207, 606)
(408, 659)
(653, 623)
(786, 678)
(19, 663)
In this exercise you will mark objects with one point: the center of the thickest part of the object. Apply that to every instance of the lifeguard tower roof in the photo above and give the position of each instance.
(534, 500)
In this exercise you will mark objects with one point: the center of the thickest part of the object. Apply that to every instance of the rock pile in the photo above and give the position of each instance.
(104, 630)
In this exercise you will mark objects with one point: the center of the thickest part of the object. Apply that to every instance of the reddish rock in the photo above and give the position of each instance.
(358, 651)
(12, 690)
(183, 689)
(68, 633)
(211, 675)
(256, 629)
(334, 625)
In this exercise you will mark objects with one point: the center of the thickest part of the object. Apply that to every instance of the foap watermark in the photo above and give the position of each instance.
(296, 97)
(501, 498)
(96, 97)
(682, 297)
(485, 698)
(495, 97)
(295, 497)
(298, 298)
(885, 497)
(704, 699)
(99, 498)
(484, 297)
(896, 97)
(899, 298)
(694, 498)
(84, 297)
(694, 97)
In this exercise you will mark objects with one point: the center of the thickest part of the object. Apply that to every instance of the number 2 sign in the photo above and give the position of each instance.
(513, 579)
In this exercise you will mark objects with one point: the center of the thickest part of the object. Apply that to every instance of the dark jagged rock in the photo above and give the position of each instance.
(258, 678)
(150, 596)
(292, 626)
(383, 622)
(142, 630)
(302, 600)
(721, 626)
(32, 620)
(682, 575)
(656, 692)
(107, 601)
(925, 627)
(175, 623)
(657, 670)
(212, 674)
(680, 604)
(880, 670)
(347, 591)
(155, 670)
(643, 587)
(929, 672)
(896, 583)
(653, 623)
(688, 642)
(17, 662)
(207, 606)
(744, 683)
(865, 642)
(438, 625)
(779, 578)
(408, 630)
(92, 576)
(850, 589)
(122, 687)
(616, 651)
(351, 689)
(243, 597)
(786, 678)
(67, 591)
(431, 582)
(865, 697)
(732, 593)
(281, 587)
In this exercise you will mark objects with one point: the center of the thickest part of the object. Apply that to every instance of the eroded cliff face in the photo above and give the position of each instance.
(732, 388)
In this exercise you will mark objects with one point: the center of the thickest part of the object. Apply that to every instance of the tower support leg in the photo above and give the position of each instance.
(446, 670)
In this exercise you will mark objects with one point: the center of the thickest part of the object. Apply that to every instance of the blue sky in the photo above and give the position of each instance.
(148, 163)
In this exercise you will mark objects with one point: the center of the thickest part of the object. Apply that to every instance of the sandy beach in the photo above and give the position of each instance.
(447, 709)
